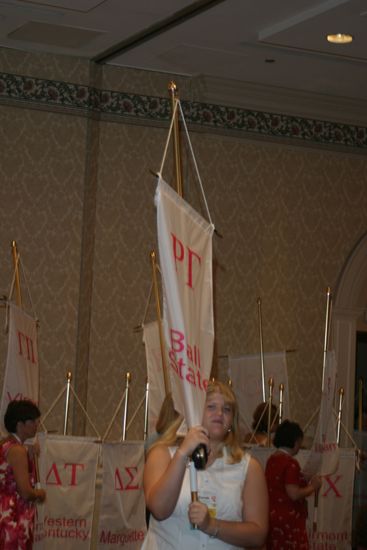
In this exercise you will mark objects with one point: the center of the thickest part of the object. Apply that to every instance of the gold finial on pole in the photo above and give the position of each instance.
(67, 401)
(167, 385)
(340, 409)
(261, 349)
(176, 138)
(281, 402)
(360, 404)
(16, 272)
(124, 421)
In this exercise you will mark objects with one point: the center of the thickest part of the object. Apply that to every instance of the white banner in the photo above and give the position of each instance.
(21, 372)
(68, 467)
(185, 250)
(154, 372)
(334, 514)
(245, 373)
(122, 509)
(324, 454)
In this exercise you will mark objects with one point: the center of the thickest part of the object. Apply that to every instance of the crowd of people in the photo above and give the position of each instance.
(236, 503)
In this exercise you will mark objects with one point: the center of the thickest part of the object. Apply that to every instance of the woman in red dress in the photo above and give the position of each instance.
(288, 490)
(17, 479)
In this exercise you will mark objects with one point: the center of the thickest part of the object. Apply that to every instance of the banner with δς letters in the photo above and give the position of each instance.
(122, 509)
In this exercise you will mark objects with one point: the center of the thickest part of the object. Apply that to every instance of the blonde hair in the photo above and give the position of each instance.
(231, 440)
(167, 414)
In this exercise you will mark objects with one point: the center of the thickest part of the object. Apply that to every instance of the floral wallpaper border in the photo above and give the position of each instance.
(92, 101)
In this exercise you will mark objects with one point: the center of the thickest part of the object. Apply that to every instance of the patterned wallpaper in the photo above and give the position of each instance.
(77, 195)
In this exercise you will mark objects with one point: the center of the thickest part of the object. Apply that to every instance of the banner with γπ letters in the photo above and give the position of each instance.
(21, 371)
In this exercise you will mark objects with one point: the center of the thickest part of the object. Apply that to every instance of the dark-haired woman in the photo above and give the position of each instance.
(17, 477)
(288, 489)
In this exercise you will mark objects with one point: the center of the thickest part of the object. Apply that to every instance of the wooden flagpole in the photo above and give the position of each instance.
(176, 139)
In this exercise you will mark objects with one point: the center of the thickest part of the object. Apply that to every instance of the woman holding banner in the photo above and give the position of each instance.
(17, 477)
(232, 506)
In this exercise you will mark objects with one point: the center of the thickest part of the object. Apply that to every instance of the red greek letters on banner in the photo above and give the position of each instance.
(122, 509)
(21, 372)
(185, 252)
(68, 467)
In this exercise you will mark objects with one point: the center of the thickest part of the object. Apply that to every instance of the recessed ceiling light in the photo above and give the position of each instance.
(339, 38)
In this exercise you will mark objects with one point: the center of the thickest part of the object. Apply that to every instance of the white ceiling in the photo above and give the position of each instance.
(258, 43)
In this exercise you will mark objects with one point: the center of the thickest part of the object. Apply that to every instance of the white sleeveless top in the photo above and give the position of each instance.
(220, 487)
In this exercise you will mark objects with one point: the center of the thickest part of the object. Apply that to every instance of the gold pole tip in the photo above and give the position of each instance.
(68, 375)
(152, 254)
(172, 86)
(271, 382)
(281, 387)
(341, 391)
(128, 376)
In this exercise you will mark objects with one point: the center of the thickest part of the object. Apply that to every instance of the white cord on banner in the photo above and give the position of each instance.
(80, 403)
(147, 304)
(85, 412)
(309, 422)
(6, 326)
(27, 287)
(136, 412)
(168, 138)
(114, 416)
(195, 163)
(355, 446)
(18, 262)
(53, 404)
